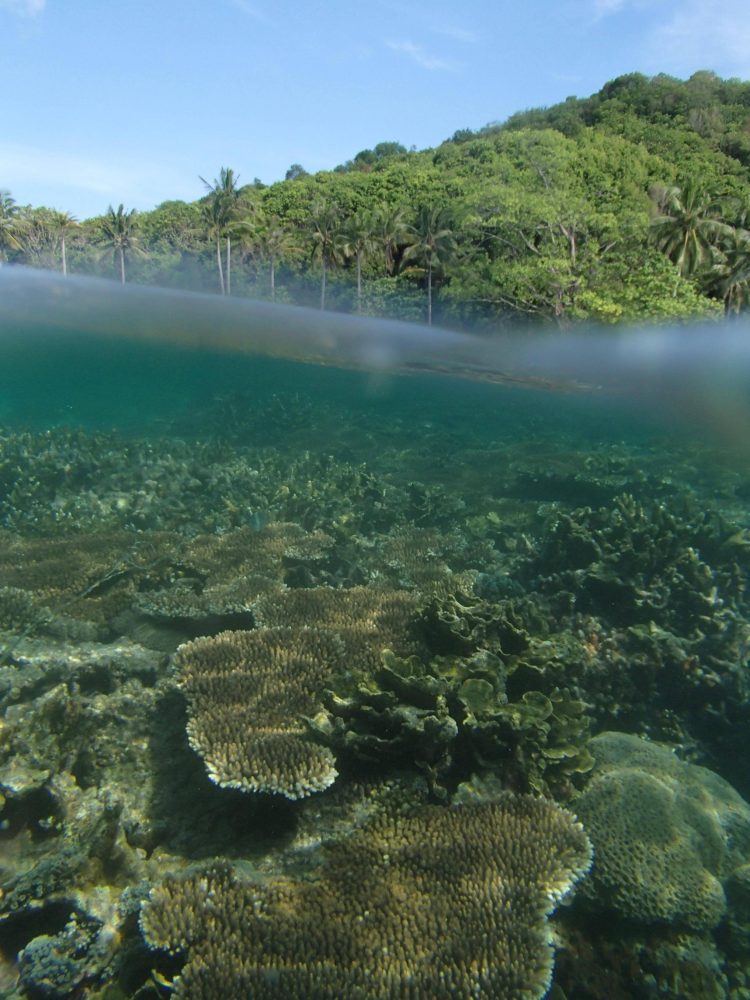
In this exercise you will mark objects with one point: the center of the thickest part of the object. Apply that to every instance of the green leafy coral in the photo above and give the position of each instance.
(462, 711)
(662, 593)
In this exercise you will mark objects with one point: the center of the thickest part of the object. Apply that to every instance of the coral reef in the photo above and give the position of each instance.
(432, 563)
(452, 716)
(388, 615)
(396, 714)
(435, 609)
(666, 834)
(64, 481)
(482, 692)
(619, 960)
(446, 902)
(248, 694)
(673, 583)
(217, 577)
(641, 562)
(90, 577)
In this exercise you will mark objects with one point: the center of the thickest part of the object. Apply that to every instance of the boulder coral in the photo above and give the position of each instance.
(666, 834)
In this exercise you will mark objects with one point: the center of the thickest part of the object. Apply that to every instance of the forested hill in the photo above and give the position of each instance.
(629, 205)
(703, 116)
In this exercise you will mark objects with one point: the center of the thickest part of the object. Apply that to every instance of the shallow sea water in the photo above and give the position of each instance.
(574, 563)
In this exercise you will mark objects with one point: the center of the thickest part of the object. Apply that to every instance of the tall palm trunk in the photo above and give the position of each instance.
(323, 284)
(64, 260)
(359, 281)
(121, 255)
(229, 266)
(219, 264)
(429, 291)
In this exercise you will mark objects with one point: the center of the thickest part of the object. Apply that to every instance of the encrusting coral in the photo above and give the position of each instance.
(666, 834)
(441, 903)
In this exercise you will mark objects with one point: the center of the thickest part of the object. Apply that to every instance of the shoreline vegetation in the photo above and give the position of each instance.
(632, 205)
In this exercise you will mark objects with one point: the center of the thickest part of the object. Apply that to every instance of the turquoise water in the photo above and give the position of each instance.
(541, 564)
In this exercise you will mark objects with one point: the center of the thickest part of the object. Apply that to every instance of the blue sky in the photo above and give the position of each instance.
(129, 101)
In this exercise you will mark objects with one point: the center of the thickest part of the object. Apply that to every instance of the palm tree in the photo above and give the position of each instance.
(275, 242)
(269, 238)
(326, 240)
(222, 205)
(215, 228)
(9, 226)
(688, 226)
(358, 240)
(432, 242)
(63, 223)
(119, 232)
(732, 272)
(40, 242)
(391, 230)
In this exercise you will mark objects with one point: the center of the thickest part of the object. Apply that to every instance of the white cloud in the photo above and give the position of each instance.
(602, 7)
(419, 55)
(24, 8)
(681, 36)
(609, 8)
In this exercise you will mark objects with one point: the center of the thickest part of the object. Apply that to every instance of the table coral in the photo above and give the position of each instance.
(443, 903)
(248, 694)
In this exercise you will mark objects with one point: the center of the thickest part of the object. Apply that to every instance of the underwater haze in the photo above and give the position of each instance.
(342, 657)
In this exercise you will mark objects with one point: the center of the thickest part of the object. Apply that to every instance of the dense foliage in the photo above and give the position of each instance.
(632, 204)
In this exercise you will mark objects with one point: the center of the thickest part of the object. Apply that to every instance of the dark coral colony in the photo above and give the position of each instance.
(415, 713)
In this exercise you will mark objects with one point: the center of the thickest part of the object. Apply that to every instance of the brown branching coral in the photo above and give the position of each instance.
(443, 903)
(233, 554)
(248, 694)
(223, 575)
(430, 562)
(90, 576)
(385, 615)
